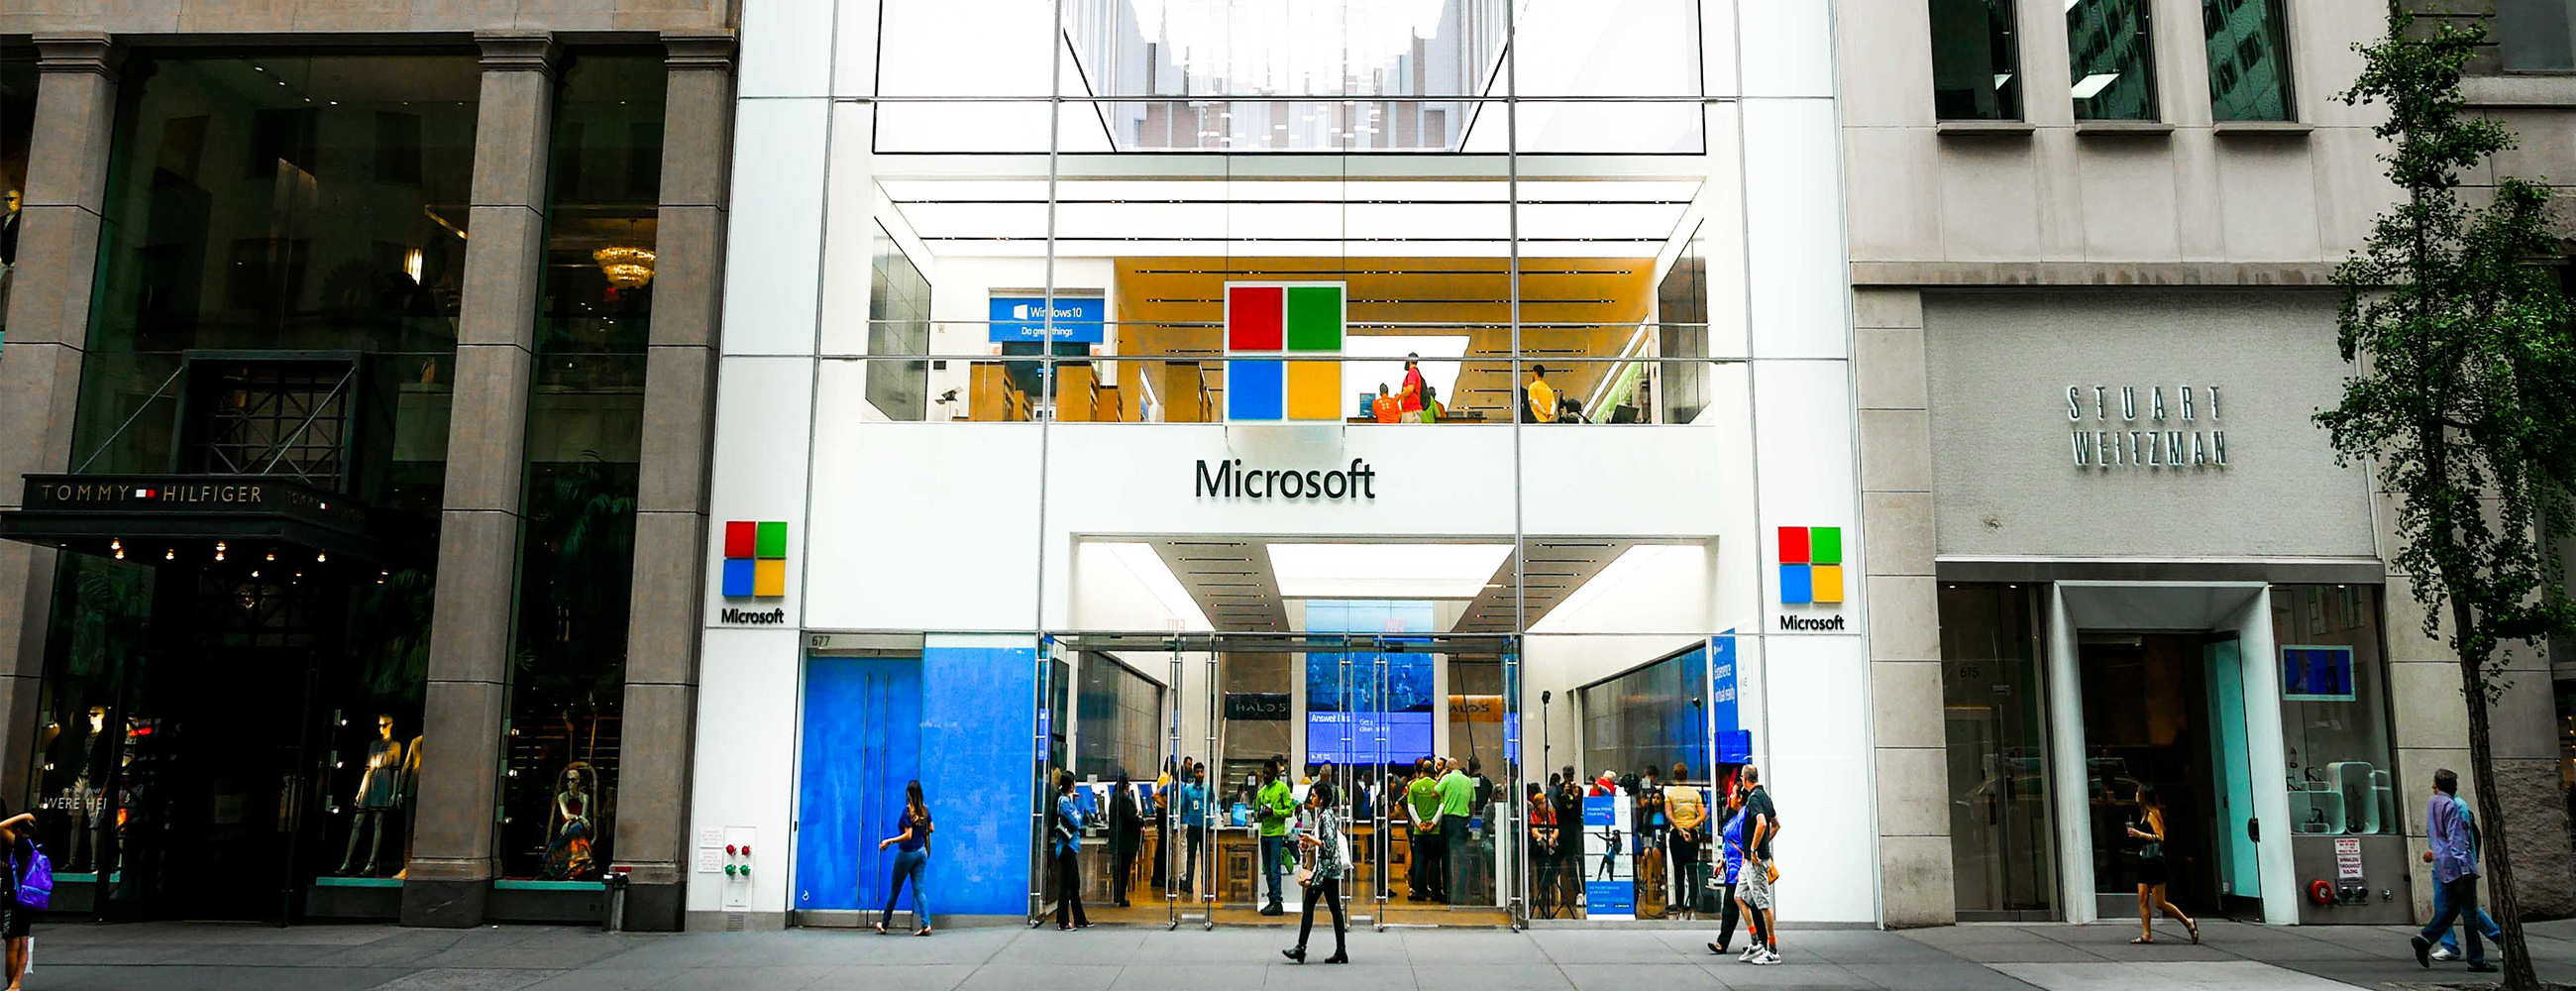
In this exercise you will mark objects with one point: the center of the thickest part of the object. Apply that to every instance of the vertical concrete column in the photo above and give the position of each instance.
(40, 364)
(671, 502)
(453, 858)
(1914, 857)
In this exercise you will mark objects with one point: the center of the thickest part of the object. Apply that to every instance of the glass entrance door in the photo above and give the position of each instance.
(1994, 722)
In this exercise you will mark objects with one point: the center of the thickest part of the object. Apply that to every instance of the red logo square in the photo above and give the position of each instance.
(1252, 318)
(739, 538)
(1793, 545)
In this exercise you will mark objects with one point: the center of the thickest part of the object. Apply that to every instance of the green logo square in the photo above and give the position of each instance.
(772, 540)
(1314, 318)
(1825, 545)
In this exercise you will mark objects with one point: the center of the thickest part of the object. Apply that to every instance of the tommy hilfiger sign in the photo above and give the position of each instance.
(2127, 426)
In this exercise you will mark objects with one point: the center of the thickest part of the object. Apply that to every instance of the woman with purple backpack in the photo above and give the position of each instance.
(18, 910)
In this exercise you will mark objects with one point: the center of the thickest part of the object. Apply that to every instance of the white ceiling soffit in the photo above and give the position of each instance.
(1232, 582)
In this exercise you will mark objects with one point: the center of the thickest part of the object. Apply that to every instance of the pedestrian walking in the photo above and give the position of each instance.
(1761, 825)
(2148, 831)
(1731, 842)
(17, 918)
(2452, 833)
(1323, 844)
(911, 860)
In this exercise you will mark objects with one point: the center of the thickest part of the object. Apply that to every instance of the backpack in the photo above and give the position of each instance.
(35, 879)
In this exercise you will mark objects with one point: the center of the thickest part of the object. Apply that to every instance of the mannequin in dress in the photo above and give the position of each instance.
(569, 833)
(379, 790)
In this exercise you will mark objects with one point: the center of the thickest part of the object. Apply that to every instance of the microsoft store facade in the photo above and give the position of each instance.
(1049, 440)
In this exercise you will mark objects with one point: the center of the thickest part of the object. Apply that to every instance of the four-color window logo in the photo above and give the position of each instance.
(1811, 565)
(755, 560)
(1283, 344)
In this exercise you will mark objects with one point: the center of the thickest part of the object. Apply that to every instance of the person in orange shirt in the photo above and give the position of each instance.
(1413, 397)
(1386, 408)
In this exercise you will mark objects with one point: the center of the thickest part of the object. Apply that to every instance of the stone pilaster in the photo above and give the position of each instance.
(453, 855)
(1914, 863)
(671, 501)
(48, 336)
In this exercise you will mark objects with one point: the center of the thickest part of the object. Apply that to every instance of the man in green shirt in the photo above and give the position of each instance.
(1457, 798)
(1275, 802)
(1422, 801)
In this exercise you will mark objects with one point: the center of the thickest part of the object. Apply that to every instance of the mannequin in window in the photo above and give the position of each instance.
(9, 200)
(87, 797)
(410, 796)
(379, 790)
(568, 833)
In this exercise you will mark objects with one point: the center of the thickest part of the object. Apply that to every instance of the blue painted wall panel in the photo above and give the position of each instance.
(978, 728)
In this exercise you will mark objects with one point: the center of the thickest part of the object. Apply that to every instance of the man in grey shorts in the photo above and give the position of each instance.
(1761, 823)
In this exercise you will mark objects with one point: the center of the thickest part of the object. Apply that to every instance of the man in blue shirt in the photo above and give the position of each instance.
(1192, 813)
(2452, 833)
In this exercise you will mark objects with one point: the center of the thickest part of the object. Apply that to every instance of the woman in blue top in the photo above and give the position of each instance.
(911, 859)
(1067, 843)
(1732, 838)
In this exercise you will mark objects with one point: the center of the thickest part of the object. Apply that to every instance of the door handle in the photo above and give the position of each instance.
(2254, 830)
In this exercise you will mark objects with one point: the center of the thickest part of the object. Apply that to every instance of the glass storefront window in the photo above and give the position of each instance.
(2111, 57)
(2249, 59)
(1994, 719)
(288, 209)
(2334, 710)
(585, 437)
(1976, 60)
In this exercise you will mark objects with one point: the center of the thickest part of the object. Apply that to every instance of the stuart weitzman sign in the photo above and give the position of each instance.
(2128, 426)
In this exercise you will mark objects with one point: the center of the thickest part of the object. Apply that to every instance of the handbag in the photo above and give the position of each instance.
(36, 880)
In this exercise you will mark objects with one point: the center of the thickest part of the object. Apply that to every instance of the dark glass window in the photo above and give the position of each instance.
(2536, 35)
(261, 205)
(1995, 725)
(1976, 60)
(2110, 54)
(585, 441)
(17, 127)
(2249, 59)
(898, 324)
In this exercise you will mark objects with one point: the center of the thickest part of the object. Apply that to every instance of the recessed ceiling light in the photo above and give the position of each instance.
(1386, 571)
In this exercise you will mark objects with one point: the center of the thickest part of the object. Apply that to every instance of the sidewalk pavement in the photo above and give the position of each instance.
(223, 956)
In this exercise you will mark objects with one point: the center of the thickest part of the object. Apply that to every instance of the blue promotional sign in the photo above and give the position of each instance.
(1078, 319)
(1722, 710)
(1729, 742)
(2313, 673)
(1603, 899)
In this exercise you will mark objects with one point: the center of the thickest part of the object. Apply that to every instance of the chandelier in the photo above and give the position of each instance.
(626, 268)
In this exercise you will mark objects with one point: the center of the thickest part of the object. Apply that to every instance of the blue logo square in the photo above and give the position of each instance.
(1797, 584)
(737, 576)
(1256, 390)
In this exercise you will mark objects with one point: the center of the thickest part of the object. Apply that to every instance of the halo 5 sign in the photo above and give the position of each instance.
(2128, 426)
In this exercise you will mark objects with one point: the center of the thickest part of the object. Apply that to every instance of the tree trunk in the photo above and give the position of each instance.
(2495, 847)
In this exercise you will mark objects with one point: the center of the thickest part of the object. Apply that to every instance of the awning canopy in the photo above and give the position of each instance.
(155, 518)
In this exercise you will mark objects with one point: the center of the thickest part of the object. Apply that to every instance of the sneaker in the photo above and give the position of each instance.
(2445, 953)
(1749, 953)
(1765, 959)
(2481, 967)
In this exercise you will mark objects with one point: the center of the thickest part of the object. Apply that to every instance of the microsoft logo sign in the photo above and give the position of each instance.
(1811, 565)
(1283, 345)
(755, 560)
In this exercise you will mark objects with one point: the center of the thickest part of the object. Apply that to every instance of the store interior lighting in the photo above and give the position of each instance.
(1385, 571)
